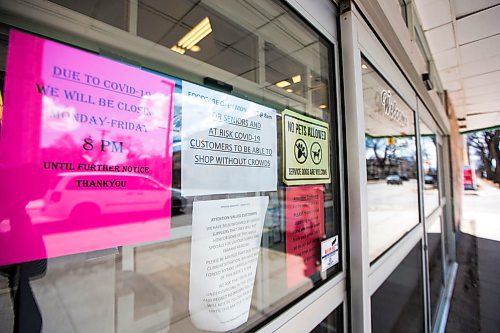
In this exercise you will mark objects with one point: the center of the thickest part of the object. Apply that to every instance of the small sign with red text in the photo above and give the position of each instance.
(329, 253)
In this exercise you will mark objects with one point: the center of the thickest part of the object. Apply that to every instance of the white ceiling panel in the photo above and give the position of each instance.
(480, 50)
(482, 121)
(450, 74)
(453, 86)
(478, 26)
(466, 53)
(434, 13)
(480, 67)
(482, 108)
(458, 101)
(441, 38)
(460, 112)
(446, 59)
(458, 107)
(486, 98)
(466, 7)
(488, 115)
(456, 95)
(492, 78)
(482, 91)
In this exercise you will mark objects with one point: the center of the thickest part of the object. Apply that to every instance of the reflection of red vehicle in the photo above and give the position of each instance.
(89, 194)
(470, 182)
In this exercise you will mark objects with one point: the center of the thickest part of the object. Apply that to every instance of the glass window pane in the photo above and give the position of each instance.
(220, 41)
(152, 253)
(281, 68)
(436, 275)
(332, 323)
(391, 163)
(397, 305)
(113, 12)
(430, 165)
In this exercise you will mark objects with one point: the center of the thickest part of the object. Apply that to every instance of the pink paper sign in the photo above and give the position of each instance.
(85, 152)
(305, 228)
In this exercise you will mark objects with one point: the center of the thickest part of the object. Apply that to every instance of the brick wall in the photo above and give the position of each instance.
(456, 147)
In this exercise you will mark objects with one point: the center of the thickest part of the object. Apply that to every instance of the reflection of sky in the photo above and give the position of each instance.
(429, 152)
(177, 110)
(152, 142)
(155, 119)
(51, 106)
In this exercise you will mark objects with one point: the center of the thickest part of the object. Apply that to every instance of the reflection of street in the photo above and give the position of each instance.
(431, 199)
(481, 211)
(475, 303)
(178, 218)
(392, 212)
(381, 195)
(93, 292)
(71, 219)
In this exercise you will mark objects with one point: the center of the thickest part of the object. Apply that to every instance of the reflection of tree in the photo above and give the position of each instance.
(62, 149)
(486, 144)
(385, 154)
(378, 145)
(95, 155)
(65, 149)
(389, 158)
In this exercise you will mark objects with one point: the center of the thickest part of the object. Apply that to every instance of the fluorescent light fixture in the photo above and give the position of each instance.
(177, 49)
(322, 106)
(289, 90)
(364, 66)
(296, 79)
(195, 48)
(283, 84)
(193, 37)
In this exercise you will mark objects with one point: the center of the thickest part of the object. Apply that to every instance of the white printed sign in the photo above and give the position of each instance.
(228, 143)
(329, 253)
(224, 252)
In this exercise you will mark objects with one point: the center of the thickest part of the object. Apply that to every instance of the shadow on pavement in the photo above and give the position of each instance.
(476, 298)
(464, 308)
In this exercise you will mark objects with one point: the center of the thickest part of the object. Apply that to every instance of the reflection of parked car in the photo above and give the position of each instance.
(394, 180)
(429, 180)
(404, 176)
(89, 194)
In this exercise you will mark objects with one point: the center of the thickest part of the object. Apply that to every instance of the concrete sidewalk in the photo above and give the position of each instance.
(475, 306)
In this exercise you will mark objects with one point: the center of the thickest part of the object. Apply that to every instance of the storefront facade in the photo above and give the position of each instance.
(205, 166)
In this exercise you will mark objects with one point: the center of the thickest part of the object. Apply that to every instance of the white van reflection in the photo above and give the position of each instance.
(77, 195)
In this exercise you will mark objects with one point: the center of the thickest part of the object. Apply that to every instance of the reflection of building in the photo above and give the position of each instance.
(404, 167)
(176, 167)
